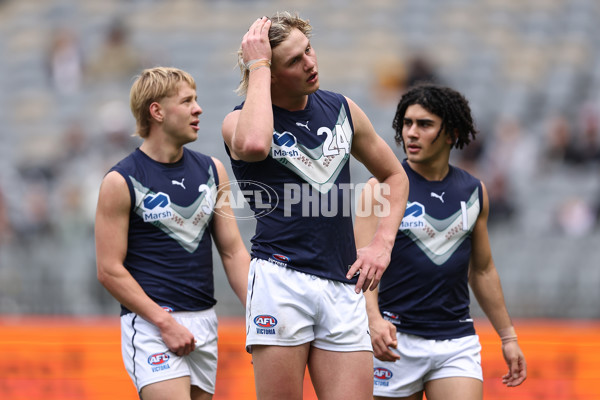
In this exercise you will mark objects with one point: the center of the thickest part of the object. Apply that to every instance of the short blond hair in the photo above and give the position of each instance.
(282, 24)
(154, 84)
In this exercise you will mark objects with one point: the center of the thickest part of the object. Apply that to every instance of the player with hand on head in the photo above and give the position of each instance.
(305, 305)
(424, 340)
(157, 214)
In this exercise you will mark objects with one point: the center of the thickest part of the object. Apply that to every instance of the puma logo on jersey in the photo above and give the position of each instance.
(174, 182)
(438, 196)
(304, 125)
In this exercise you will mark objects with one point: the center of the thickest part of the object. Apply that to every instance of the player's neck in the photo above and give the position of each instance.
(290, 103)
(161, 152)
(431, 171)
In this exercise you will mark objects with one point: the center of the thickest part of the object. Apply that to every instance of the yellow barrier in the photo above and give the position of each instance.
(64, 358)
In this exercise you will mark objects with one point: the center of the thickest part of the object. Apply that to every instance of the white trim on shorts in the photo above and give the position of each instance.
(286, 307)
(148, 360)
(423, 360)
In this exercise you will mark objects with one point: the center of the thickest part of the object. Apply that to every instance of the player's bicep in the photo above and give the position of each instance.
(225, 229)
(370, 149)
(112, 221)
(481, 254)
(228, 130)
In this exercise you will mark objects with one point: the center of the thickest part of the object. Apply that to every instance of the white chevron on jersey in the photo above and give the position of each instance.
(187, 224)
(440, 238)
(319, 170)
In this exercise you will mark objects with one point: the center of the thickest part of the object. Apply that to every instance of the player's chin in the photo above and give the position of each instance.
(312, 90)
(191, 137)
(314, 85)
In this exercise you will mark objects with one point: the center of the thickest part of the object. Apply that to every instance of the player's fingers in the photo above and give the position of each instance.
(391, 354)
(367, 273)
(514, 368)
(515, 375)
(365, 286)
(384, 354)
(393, 344)
(256, 24)
(375, 281)
(354, 269)
(266, 26)
(520, 374)
(360, 283)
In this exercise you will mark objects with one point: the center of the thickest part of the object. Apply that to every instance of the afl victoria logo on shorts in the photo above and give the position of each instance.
(159, 361)
(265, 324)
(382, 376)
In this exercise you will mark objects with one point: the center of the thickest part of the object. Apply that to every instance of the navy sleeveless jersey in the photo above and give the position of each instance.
(169, 247)
(425, 289)
(306, 224)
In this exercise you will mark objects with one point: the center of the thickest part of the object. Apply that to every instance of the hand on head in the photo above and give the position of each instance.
(255, 44)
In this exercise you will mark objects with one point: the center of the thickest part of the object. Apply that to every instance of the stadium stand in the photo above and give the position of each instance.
(528, 61)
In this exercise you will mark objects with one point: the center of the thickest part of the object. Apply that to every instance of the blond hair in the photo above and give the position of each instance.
(154, 84)
(282, 24)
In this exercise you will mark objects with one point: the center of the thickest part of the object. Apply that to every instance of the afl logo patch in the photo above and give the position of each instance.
(265, 321)
(382, 373)
(158, 358)
(280, 257)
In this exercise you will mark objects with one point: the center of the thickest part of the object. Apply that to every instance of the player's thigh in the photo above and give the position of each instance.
(199, 394)
(341, 375)
(279, 371)
(456, 388)
(177, 388)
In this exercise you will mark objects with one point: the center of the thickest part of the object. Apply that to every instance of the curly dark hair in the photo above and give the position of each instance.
(448, 104)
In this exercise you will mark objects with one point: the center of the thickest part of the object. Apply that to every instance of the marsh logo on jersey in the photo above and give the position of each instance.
(156, 207)
(284, 145)
(413, 216)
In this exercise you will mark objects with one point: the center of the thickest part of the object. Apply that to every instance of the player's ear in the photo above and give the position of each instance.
(156, 111)
(452, 137)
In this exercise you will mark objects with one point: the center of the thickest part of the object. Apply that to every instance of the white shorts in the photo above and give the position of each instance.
(148, 360)
(423, 360)
(286, 307)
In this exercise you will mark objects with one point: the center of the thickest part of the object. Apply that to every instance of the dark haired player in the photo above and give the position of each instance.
(423, 336)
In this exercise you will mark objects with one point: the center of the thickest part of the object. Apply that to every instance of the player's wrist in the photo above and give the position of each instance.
(507, 335)
(253, 65)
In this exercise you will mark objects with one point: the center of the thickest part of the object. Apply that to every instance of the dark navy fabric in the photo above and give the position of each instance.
(169, 248)
(306, 224)
(425, 290)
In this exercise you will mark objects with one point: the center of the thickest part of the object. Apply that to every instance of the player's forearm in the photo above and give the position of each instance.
(254, 131)
(372, 305)
(236, 268)
(487, 289)
(394, 193)
(127, 291)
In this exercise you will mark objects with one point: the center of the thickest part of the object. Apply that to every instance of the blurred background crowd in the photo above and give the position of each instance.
(530, 69)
